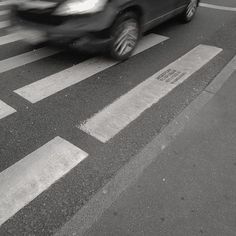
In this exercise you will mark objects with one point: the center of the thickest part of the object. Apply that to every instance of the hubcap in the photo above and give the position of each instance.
(191, 8)
(127, 39)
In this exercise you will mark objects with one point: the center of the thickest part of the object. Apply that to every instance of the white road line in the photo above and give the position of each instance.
(50, 85)
(217, 7)
(4, 12)
(5, 110)
(10, 38)
(29, 177)
(9, 2)
(112, 119)
(6, 3)
(23, 59)
(4, 24)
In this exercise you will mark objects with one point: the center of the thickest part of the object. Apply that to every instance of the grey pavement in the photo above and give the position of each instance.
(34, 125)
(190, 188)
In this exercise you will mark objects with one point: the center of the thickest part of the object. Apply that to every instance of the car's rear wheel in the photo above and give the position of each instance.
(124, 36)
(190, 10)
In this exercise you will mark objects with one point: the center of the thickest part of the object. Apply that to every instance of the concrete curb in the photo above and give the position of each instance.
(222, 77)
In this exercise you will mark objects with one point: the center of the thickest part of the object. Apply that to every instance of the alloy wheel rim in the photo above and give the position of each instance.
(191, 8)
(127, 39)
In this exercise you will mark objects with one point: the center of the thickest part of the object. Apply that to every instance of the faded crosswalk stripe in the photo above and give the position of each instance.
(4, 3)
(112, 119)
(10, 38)
(7, 3)
(5, 110)
(4, 24)
(217, 7)
(4, 12)
(50, 85)
(25, 58)
(29, 177)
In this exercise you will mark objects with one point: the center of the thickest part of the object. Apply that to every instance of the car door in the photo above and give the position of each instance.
(181, 3)
(160, 7)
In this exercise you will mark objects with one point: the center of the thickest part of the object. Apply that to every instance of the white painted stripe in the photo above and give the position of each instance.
(4, 24)
(10, 38)
(217, 7)
(6, 3)
(29, 177)
(149, 41)
(50, 85)
(5, 110)
(23, 59)
(39, 5)
(111, 120)
(4, 12)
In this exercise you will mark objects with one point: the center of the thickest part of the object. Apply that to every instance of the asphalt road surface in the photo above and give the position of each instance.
(69, 121)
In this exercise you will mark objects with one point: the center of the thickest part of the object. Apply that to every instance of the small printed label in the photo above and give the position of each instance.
(171, 76)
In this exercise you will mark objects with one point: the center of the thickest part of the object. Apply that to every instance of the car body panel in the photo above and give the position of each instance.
(40, 15)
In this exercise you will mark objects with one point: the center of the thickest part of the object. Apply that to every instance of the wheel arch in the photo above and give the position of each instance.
(132, 8)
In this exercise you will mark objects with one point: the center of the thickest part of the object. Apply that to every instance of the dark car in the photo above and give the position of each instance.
(112, 24)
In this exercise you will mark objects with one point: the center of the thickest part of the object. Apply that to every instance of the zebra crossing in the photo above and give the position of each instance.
(36, 172)
(50, 85)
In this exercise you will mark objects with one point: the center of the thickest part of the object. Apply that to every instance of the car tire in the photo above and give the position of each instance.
(125, 34)
(190, 11)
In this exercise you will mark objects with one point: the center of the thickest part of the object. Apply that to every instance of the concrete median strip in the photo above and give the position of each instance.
(29, 177)
(112, 119)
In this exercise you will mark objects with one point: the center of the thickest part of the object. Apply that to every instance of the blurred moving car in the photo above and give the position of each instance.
(114, 24)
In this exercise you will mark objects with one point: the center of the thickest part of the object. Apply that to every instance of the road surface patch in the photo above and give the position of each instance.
(29, 177)
(112, 119)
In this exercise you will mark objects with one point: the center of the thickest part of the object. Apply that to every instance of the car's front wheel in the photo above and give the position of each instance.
(124, 36)
(190, 10)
